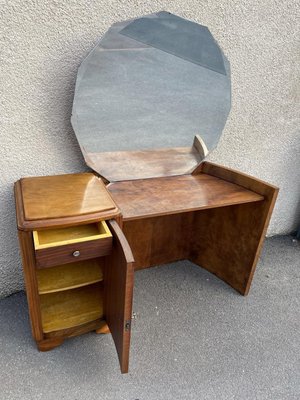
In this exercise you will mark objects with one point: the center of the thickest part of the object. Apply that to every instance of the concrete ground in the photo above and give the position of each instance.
(193, 338)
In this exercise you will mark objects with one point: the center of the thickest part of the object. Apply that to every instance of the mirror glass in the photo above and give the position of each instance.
(152, 83)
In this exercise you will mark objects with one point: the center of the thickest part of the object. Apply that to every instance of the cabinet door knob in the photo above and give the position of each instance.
(76, 253)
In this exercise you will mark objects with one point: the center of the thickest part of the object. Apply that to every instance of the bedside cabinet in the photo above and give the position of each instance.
(78, 266)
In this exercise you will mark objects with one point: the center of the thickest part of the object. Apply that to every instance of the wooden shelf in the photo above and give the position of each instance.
(69, 276)
(71, 308)
(176, 194)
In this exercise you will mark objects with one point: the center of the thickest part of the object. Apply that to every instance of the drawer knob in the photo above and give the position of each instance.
(76, 253)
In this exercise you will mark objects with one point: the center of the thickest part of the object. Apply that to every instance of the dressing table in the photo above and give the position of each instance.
(140, 102)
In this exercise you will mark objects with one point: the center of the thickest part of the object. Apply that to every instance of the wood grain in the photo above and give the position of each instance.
(28, 261)
(76, 330)
(125, 165)
(29, 225)
(118, 287)
(70, 308)
(70, 276)
(159, 240)
(153, 197)
(228, 241)
(70, 303)
(81, 193)
(236, 177)
(216, 217)
(68, 235)
(103, 330)
(64, 254)
(49, 344)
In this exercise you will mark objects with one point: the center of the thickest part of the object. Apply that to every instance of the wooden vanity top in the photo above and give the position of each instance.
(170, 195)
(60, 200)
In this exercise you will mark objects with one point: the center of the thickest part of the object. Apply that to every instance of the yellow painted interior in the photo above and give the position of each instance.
(70, 276)
(71, 308)
(73, 234)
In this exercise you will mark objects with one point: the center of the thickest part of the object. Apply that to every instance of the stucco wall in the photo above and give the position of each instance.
(43, 43)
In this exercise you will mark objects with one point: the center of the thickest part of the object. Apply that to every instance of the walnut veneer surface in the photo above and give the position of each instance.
(62, 200)
(87, 277)
(215, 217)
(42, 196)
(171, 195)
(124, 165)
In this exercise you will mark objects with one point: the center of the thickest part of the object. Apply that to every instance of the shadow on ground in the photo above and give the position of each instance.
(193, 338)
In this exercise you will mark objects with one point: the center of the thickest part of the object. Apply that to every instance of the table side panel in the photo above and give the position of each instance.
(230, 240)
(227, 242)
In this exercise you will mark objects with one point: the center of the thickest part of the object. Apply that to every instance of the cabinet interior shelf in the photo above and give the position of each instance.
(70, 276)
(71, 308)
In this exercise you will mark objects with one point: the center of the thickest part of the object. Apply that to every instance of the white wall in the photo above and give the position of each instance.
(42, 44)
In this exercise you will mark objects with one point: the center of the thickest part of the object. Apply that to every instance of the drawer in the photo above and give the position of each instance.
(75, 243)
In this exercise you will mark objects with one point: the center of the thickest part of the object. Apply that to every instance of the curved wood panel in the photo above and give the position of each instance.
(69, 276)
(81, 193)
(28, 225)
(118, 278)
(70, 308)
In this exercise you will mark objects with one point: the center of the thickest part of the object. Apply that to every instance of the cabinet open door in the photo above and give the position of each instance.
(119, 274)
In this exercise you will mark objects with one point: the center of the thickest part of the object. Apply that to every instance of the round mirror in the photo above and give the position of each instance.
(151, 98)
